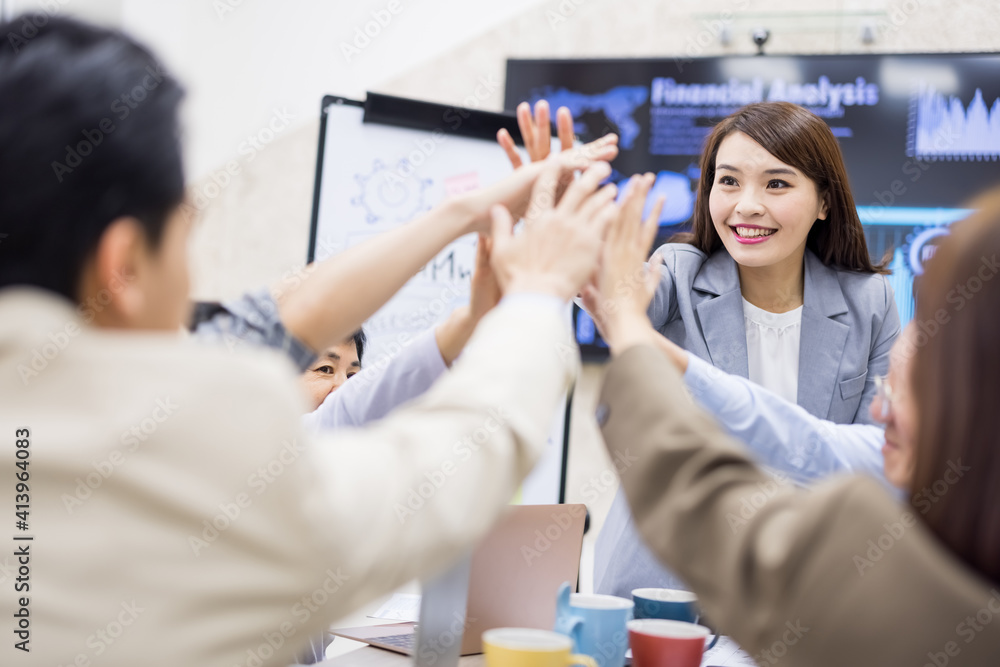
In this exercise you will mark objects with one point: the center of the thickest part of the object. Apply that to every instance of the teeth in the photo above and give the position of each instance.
(752, 233)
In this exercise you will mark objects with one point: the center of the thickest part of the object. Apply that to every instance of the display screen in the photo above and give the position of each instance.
(920, 134)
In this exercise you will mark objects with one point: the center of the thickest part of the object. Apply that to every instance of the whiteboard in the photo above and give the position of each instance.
(373, 177)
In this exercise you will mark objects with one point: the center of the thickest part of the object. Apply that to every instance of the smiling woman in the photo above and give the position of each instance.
(776, 270)
(774, 283)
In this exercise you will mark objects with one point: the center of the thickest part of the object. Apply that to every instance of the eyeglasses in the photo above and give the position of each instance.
(883, 392)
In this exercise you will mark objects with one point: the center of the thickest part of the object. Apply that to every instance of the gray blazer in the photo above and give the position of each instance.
(849, 323)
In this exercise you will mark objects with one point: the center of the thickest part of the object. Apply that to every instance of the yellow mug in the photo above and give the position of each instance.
(526, 647)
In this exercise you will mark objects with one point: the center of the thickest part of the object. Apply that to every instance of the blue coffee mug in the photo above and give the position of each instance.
(597, 624)
(669, 604)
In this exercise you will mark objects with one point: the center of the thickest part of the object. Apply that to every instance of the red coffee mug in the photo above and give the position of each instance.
(660, 643)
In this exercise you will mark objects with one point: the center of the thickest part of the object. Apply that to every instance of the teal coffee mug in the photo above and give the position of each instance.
(668, 604)
(597, 624)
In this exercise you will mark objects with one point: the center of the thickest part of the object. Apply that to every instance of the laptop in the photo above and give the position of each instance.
(511, 580)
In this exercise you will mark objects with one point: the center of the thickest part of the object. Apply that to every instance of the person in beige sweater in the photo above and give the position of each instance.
(164, 506)
(841, 573)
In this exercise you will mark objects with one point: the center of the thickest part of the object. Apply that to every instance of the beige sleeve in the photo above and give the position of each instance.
(821, 577)
(411, 493)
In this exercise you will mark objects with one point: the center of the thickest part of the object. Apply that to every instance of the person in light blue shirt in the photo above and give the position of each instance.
(797, 446)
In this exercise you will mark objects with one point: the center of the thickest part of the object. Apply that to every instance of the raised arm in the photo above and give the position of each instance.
(373, 271)
(772, 566)
(781, 435)
(478, 432)
(781, 570)
(392, 379)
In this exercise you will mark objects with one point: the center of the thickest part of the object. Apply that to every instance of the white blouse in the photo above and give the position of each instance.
(773, 349)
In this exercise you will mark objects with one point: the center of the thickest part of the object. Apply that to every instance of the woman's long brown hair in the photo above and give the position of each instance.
(801, 139)
(956, 377)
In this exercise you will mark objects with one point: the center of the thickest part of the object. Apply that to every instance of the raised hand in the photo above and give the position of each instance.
(514, 191)
(558, 248)
(624, 285)
(452, 334)
(537, 132)
(485, 291)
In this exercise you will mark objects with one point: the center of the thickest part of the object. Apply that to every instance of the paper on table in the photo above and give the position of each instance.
(727, 653)
(400, 607)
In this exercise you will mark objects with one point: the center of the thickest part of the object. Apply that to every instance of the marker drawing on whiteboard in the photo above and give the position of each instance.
(388, 197)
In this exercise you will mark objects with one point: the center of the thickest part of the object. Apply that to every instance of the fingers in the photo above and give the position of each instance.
(524, 122)
(582, 187)
(604, 218)
(564, 127)
(598, 200)
(654, 268)
(652, 224)
(655, 263)
(605, 148)
(507, 144)
(543, 131)
(482, 251)
(635, 200)
(501, 229)
(543, 193)
(591, 298)
(628, 225)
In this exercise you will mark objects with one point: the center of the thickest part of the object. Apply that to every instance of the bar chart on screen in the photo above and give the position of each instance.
(944, 128)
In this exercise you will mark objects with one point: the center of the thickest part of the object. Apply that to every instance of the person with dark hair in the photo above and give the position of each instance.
(173, 493)
(843, 573)
(334, 366)
(77, 167)
(401, 375)
(774, 284)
